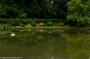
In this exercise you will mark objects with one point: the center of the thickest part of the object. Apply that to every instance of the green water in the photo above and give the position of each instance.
(45, 44)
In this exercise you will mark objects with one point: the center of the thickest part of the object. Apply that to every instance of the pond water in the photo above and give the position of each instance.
(45, 44)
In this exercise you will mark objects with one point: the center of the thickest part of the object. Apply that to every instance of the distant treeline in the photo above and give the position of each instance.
(33, 9)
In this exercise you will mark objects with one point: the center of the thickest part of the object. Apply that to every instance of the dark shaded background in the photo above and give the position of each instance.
(33, 9)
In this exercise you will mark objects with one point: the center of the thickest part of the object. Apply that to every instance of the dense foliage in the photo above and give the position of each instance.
(78, 12)
(32, 8)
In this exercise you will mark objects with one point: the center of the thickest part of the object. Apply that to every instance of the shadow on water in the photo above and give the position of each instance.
(35, 44)
(78, 43)
(45, 44)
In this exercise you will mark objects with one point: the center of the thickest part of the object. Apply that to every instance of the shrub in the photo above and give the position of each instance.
(49, 23)
(78, 12)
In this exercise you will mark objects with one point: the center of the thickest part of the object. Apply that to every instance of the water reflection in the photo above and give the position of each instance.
(45, 44)
(78, 43)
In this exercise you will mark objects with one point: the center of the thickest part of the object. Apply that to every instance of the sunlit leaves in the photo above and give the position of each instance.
(79, 11)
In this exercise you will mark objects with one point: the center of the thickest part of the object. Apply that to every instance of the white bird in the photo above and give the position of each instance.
(13, 34)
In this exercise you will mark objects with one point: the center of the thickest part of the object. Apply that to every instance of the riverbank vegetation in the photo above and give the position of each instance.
(71, 12)
(23, 15)
(45, 29)
(78, 12)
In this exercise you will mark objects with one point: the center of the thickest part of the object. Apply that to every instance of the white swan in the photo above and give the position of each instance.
(13, 34)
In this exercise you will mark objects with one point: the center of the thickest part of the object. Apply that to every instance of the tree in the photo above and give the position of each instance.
(79, 12)
(34, 8)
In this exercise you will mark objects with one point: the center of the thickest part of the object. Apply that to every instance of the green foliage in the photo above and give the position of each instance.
(33, 22)
(31, 9)
(50, 23)
(2, 10)
(78, 12)
(18, 21)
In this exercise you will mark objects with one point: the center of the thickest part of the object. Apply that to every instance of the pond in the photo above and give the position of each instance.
(55, 43)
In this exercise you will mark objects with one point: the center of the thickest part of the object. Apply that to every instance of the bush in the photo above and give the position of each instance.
(50, 23)
(77, 20)
(33, 22)
(78, 12)
(3, 10)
